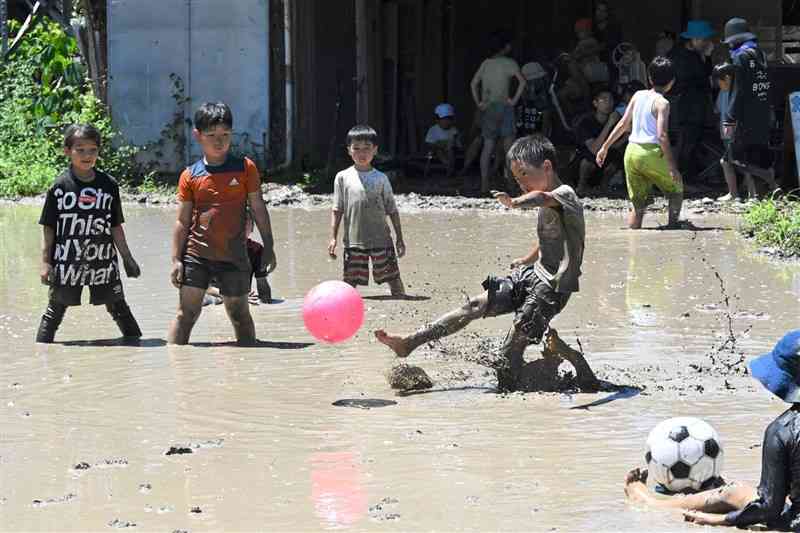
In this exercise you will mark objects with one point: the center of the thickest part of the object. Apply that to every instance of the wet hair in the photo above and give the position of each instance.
(362, 133)
(81, 132)
(499, 39)
(661, 71)
(724, 70)
(532, 150)
(212, 114)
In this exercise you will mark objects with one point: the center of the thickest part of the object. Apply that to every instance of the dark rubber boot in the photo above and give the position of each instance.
(51, 319)
(123, 316)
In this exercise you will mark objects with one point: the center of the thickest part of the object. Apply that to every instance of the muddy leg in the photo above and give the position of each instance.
(585, 376)
(675, 204)
(509, 367)
(238, 309)
(51, 319)
(124, 318)
(636, 217)
(397, 288)
(445, 325)
(731, 497)
(189, 306)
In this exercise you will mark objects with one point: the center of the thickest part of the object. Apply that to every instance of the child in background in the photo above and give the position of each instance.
(723, 74)
(82, 225)
(363, 198)
(263, 292)
(443, 138)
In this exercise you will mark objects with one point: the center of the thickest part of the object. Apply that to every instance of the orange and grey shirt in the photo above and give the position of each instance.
(219, 198)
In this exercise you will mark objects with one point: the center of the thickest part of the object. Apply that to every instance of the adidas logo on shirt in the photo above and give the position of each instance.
(234, 182)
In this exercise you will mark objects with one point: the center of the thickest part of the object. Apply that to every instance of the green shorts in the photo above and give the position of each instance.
(645, 167)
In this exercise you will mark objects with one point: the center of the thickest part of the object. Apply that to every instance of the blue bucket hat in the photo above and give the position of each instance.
(779, 370)
(698, 29)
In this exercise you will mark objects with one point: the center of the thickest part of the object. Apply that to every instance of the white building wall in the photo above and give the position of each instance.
(219, 48)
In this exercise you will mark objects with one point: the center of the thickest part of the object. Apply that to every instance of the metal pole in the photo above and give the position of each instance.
(3, 27)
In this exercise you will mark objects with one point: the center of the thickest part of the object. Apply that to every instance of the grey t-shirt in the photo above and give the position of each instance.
(561, 232)
(364, 199)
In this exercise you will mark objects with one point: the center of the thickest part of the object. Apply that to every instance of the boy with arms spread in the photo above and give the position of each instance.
(82, 225)
(363, 198)
(648, 157)
(209, 240)
(541, 282)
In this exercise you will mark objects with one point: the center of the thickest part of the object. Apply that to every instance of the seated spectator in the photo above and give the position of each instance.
(583, 30)
(591, 131)
(534, 108)
(594, 70)
(443, 138)
(629, 64)
(665, 42)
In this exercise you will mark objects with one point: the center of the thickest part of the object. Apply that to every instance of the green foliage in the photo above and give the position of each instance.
(42, 90)
(775, 223)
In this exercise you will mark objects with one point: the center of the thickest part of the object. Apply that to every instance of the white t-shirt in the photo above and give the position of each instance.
(437, 134)
(364, 199)
(495, 75)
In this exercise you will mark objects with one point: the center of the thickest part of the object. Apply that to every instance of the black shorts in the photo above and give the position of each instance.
(98, 294)
(532, 300)
(231, 280)
(754, 155)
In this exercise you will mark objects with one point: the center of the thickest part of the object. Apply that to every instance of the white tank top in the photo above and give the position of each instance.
(645, 128)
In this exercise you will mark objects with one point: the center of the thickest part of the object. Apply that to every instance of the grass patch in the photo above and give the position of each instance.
(775, 223)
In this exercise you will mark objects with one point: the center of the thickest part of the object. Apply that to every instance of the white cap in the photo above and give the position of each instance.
(533, 71)
(444, 111)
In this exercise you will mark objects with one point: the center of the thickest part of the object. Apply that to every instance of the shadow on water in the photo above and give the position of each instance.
(258, 344)
(487, 390)
(363, 403)
(389, 297)
(135, 343)
(622, 393)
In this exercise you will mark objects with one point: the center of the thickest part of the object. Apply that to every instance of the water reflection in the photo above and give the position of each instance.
(336, 488)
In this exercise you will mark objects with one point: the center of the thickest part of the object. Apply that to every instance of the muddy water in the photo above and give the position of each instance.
(270, 452)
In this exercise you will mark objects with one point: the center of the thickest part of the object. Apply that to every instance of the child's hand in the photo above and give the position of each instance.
(517, 262)
(132, 269)
(332, 249)
(268, 260)
(401, 248)
(176, 276)
(601, 156)
(503, 198)
(46, 273)
(253, 298)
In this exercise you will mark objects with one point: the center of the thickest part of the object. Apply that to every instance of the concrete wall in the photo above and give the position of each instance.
(218, 54)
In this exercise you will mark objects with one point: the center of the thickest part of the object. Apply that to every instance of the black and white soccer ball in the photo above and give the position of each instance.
(684, 454)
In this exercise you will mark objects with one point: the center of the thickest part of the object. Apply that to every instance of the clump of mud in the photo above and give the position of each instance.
(408, 378)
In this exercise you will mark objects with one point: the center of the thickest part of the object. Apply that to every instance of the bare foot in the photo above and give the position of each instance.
(635, 488)
(704, 519)
(397, 345)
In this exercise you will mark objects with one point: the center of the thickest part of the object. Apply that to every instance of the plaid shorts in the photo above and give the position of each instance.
(384, 265)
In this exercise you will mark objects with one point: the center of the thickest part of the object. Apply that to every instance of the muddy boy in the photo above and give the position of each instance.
(82, 235)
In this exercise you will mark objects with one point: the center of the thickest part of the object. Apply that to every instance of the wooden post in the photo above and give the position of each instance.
(362, 61)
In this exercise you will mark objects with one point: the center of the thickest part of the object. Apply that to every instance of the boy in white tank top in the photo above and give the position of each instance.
(648, 159)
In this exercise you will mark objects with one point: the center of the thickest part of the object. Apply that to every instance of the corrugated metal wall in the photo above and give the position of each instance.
(219, 54)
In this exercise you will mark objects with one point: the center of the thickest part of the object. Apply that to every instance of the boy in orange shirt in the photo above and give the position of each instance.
(209, 240)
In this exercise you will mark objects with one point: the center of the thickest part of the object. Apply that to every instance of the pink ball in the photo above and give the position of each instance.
(333, 311)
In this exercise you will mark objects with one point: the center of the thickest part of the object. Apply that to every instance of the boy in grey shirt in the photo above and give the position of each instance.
(363, 198)
(540, 283)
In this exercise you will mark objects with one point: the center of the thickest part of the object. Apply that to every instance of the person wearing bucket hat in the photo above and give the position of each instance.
(693, 91)
(737, 504)
(443, 138)
(749, 118)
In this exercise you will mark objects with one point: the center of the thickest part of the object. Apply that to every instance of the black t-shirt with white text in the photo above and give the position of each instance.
(82, 214)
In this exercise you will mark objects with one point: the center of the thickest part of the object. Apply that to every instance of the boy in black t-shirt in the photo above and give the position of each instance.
(82, 227)
(591, 132)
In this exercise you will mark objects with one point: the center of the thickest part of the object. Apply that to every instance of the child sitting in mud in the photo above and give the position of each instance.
(82, 229)
(648, 157)
(363, 198)
(209, 240)
(263, 292)
(776, 501)
(540, 283)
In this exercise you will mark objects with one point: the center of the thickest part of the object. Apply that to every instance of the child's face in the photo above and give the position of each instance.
(215, 142)
(724, 83)
(362, 153)
(604, 102)
(446, 123)
(82, 155)
(530, 178)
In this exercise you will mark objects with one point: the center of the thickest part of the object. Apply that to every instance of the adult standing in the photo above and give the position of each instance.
(749, 115)
(491, 92)
(692, 61)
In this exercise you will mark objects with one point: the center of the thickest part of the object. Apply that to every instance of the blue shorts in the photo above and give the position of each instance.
(497, 120)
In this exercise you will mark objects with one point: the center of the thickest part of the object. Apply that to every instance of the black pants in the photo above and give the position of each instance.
(118, 310)
(691, 136)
